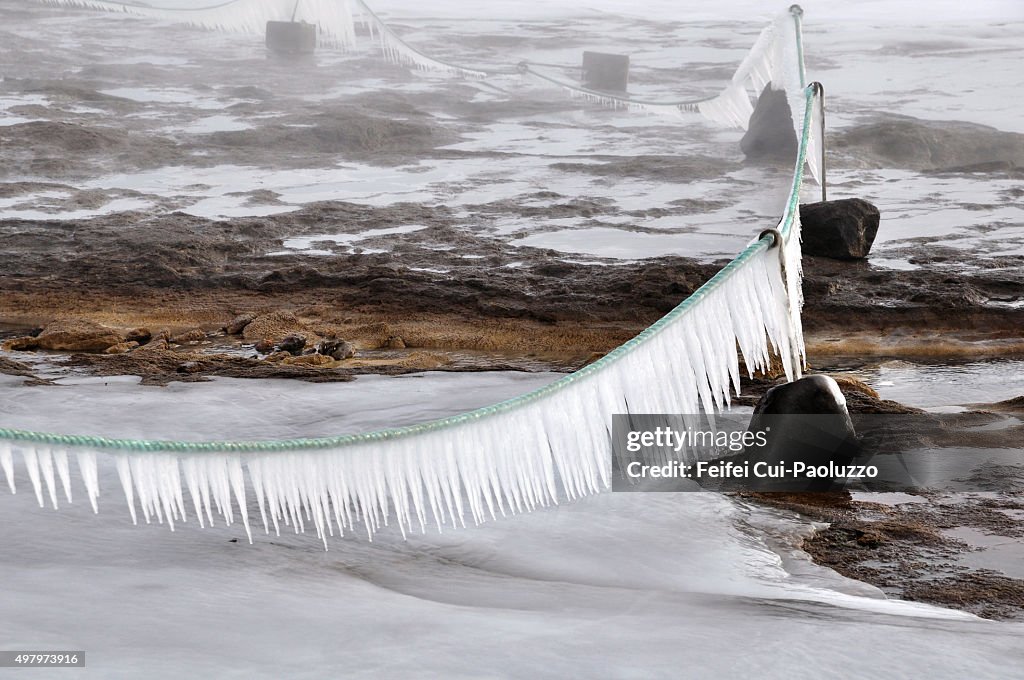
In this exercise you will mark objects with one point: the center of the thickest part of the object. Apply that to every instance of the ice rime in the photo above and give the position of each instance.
(533, 451)
(334, 20)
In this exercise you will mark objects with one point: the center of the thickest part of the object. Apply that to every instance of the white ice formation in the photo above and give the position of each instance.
(550, 444)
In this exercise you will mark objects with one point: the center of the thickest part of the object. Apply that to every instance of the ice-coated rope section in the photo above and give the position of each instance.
(334, 20)
(398, 51)
(776, 59)
(511, 457)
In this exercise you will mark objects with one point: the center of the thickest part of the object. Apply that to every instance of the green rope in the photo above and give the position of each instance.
(144, 445)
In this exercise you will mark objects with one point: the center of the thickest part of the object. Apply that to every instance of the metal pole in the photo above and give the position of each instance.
(821, 120)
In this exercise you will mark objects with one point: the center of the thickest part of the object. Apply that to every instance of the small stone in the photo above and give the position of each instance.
(190, 367)
(292, 343)
(336, 349)
(193, 335)
(264, 346)
(395, 342)
(121, 348)
(238, 324)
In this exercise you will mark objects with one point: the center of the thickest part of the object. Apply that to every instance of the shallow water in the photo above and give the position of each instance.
(942, 386)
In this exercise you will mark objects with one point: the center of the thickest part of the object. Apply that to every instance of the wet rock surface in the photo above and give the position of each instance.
(903, 550)
(935, 145)
(428, 271)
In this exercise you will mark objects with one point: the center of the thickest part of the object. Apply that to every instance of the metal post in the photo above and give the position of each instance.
(820, 92)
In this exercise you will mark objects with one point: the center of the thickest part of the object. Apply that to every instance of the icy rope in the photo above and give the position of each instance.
(334, 20)
(512, 457)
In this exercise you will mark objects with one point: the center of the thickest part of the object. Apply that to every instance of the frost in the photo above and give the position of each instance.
(334, 20)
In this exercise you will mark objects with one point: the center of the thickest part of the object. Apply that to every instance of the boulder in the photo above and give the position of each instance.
(841, 230)
(277, 356)
(190, 367)
(292, 343)
(770, 135)
(395, 342)
(807, 421)
(77, 335)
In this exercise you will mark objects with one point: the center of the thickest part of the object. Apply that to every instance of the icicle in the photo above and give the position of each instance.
(7, 463)
(90, 477)
(125, 474)
(336, 26)
(32, 464)
(398, 51)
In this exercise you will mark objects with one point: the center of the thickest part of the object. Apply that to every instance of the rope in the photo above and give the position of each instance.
(766, 240)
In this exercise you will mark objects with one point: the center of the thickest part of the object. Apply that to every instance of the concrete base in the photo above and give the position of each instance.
(291, 37)
(605, 72)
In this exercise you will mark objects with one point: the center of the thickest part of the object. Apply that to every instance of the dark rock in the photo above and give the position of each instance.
(335, 349)
(770, 134)
(811, 395)
(805, 420)
(264, 346)
(842, 230)
(293, 343)
(238, 324)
